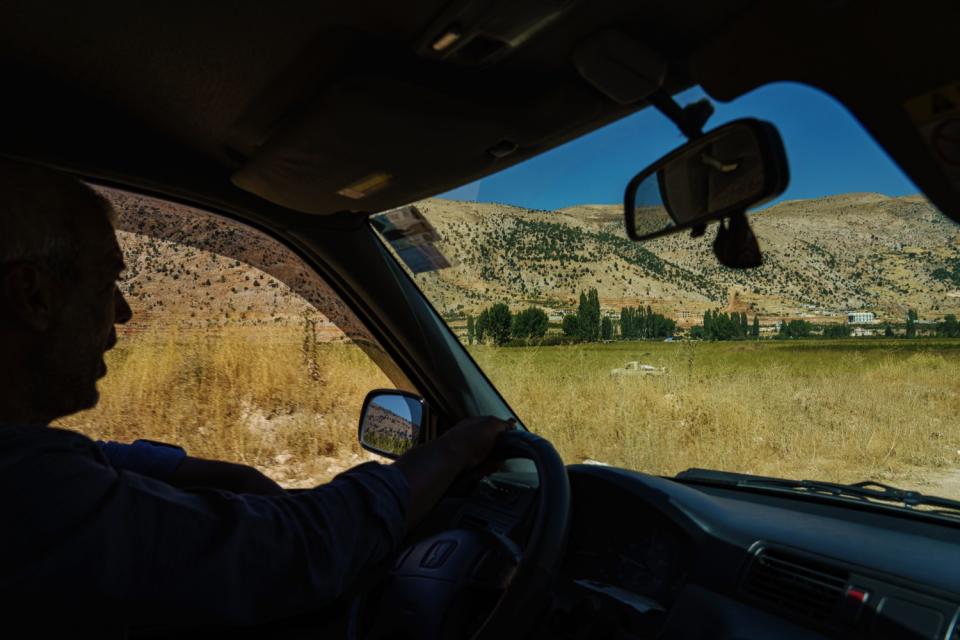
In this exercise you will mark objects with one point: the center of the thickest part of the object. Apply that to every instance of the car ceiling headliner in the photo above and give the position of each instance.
(294, 101)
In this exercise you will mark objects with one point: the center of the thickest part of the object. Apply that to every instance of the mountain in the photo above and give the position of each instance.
(825, 256)
(822, 257)
(192, 270)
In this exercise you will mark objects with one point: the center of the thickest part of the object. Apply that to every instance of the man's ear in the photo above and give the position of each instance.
(29, 294)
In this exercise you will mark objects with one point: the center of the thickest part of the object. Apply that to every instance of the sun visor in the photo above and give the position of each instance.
(370, 143)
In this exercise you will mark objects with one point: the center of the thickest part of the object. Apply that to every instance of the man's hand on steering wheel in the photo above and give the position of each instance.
(432, 467)
(468, 581)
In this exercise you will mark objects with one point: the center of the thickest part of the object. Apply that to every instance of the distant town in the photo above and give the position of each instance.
(593, 322)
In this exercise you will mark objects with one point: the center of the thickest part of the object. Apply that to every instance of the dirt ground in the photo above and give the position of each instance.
(946, 484)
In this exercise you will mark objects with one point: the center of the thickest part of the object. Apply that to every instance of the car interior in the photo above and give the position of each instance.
(302, 120)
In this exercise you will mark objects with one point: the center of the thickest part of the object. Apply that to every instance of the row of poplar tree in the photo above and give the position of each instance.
(636, 323)
(719, 325)
(498, 325)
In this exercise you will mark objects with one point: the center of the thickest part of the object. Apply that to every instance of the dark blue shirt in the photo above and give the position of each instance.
(155, 459)
(114, 547)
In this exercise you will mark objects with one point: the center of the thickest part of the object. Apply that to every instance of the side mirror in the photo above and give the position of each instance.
(724, 172)
(391, 422)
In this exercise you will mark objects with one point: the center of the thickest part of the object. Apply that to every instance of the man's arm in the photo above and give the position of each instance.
(171, 464)
(154, 554)
(136, 545)
(238, 478)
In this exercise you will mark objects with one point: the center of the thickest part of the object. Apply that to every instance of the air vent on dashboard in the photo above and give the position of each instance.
(793, 583)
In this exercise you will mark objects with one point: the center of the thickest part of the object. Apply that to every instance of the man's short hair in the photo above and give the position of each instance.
(41, 211)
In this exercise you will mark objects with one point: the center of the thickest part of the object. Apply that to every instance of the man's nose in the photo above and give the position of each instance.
(122, 311)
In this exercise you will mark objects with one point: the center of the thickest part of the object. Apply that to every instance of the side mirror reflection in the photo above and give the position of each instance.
(391, 422)
(739, 165)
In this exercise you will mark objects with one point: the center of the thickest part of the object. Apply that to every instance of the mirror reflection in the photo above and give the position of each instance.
(734, 167)
(391, 423)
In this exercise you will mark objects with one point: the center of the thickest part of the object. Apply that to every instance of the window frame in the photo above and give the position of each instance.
(298, 240)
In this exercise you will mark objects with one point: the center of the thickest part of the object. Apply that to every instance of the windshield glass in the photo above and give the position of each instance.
(835, 360)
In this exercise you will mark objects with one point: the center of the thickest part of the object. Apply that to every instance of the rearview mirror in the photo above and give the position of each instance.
(739, 165)
(390, 422)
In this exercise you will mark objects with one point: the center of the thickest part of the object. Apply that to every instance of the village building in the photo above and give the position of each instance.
(861, 317)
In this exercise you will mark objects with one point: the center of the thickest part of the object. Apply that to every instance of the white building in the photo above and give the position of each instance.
(861, 317)
(556, 315)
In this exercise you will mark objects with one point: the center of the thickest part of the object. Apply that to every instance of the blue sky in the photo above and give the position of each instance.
(828, 151)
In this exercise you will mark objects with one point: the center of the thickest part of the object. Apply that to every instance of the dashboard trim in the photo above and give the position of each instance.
(914, 562)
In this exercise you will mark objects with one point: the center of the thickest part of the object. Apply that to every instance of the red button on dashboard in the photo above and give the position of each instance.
(858, 595)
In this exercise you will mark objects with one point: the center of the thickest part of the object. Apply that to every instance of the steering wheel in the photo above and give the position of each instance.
(468, 583)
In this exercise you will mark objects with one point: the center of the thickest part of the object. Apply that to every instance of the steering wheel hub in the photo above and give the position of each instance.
(468, 583)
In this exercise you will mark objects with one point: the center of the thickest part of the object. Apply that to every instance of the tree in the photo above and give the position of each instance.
(570, 325)
(530, 323)
(887, 330)
(949, 328)
(471, 331)
(741, 324)
(639, 323)
(606, 328)
(518, 326)
(837, 331)
(756, 327)
(480, 327)
(721, 326)
(795, 329)
(628, 323)
(498, 323)
(911, 323)
(538, 323)
(594, 304)
(588, 315)
(583, 318)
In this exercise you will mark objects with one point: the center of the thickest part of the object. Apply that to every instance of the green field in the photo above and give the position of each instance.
(840, 410)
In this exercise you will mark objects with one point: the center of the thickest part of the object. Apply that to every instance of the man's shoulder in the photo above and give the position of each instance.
(21, 442)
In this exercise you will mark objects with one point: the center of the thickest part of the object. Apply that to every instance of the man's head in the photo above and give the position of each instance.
(59, 300)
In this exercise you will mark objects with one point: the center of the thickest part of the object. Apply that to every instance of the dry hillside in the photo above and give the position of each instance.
(857, 251)
(194, 270)
(823, 257)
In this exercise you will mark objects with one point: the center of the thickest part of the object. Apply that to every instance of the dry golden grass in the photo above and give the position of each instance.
(247, 395)
(831, 410)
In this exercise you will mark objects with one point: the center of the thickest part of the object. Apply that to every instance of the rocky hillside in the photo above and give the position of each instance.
(858, 251)
(189, 269)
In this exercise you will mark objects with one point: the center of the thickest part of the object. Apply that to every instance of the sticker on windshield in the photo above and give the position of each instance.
(937, 116)
(412, 237)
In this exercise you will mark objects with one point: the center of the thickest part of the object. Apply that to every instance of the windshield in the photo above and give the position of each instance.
(837, 359)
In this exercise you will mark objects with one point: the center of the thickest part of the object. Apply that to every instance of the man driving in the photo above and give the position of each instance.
(106, 536)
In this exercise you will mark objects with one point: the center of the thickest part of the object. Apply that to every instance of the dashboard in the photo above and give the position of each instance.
(654, 557)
